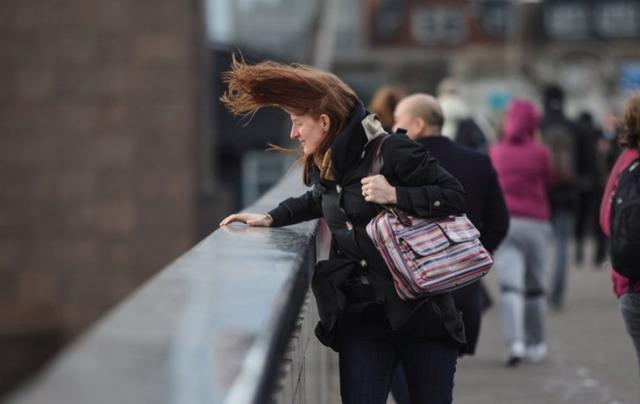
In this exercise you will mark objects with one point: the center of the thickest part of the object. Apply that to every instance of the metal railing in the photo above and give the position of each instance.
(215, 326)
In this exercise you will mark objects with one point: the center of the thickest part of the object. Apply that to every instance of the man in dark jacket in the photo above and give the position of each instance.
(420, 115)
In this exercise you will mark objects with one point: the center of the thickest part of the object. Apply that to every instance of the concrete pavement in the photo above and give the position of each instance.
(591, 358)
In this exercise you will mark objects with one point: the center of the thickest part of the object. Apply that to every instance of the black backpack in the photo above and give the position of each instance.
(625, 223)
(560, 139)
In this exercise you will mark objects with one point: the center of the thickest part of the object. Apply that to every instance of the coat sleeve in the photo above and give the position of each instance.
(495, 217)
(423, 187)
(307, 206)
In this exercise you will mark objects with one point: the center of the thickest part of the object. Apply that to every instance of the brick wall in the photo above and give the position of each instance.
(101, 127)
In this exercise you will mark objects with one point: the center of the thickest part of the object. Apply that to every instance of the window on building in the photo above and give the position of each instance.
(431, 25)
(567, 21)
(617, 19)
(388, 19)
(495, 17)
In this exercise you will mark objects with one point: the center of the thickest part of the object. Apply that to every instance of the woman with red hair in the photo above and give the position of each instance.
(362, 317)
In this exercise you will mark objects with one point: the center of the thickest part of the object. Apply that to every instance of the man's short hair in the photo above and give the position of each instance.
(426, 107)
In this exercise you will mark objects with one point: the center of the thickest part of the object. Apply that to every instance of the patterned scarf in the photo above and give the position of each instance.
(326, 169)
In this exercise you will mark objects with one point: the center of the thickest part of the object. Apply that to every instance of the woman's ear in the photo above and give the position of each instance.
(325, 121)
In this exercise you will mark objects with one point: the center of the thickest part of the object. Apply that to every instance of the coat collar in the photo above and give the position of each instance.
(435, 141)
(372, 127)
(360, 129)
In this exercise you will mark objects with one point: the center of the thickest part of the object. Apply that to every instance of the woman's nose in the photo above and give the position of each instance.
(294, 133)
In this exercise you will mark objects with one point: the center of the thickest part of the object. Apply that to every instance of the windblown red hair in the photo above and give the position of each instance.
(297, 89)
(630, 136)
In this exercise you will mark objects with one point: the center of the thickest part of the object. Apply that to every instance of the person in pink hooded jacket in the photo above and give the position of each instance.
(628, 296)
(524, 172)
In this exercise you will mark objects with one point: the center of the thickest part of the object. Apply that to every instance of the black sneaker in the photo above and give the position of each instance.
(513, 361)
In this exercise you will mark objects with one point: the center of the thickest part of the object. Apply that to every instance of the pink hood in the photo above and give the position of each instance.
(523, 165)
(520, 121)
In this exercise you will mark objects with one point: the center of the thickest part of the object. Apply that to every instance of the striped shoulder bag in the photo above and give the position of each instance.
(426, 256)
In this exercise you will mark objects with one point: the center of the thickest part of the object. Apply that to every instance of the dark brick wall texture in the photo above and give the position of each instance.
(102, 116)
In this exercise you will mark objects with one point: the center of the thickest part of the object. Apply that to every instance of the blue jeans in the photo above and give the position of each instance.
(563, 228)
(630, 309)
(399, 389)
(368, 364)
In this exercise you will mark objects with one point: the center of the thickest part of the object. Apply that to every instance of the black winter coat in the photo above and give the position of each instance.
(487, 211)
(354, 289)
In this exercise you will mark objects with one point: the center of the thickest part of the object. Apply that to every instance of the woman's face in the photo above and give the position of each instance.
(309, 131)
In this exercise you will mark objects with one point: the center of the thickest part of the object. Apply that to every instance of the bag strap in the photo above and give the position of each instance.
(377, 162)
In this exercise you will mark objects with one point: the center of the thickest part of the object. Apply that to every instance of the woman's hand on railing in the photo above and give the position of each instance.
(251, 219)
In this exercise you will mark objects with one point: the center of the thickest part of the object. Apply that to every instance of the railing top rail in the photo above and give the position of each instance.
(202, 330)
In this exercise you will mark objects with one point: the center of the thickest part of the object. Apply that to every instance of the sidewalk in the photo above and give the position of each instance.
(591, 358)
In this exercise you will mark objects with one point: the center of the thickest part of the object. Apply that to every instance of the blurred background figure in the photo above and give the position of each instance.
(591, 186)
(627, 290)
(453, 106)
(384, 102)
(608, 146)
(469, 134)
(562, 138)
(459, 123)
(524, 171)
(422, 117)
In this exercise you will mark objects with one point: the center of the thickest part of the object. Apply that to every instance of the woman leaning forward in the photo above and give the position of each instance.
(362, 317)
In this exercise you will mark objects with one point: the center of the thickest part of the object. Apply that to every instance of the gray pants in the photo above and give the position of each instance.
(521, 265)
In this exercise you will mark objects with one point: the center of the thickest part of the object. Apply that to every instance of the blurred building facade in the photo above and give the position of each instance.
(103, 160)
(497, 48)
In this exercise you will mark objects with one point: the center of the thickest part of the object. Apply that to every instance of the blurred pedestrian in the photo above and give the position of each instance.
(593, 178)
(524, 172)
(628, 292)
(362, 317)
(421, 116)
(460, 123)
(562, 137)
(470, 135)
(611, 131)
(607, 151)
(384, 102)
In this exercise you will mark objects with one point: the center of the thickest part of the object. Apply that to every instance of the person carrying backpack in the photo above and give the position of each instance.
(590, 191)
(620, 221)
(561, 136)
